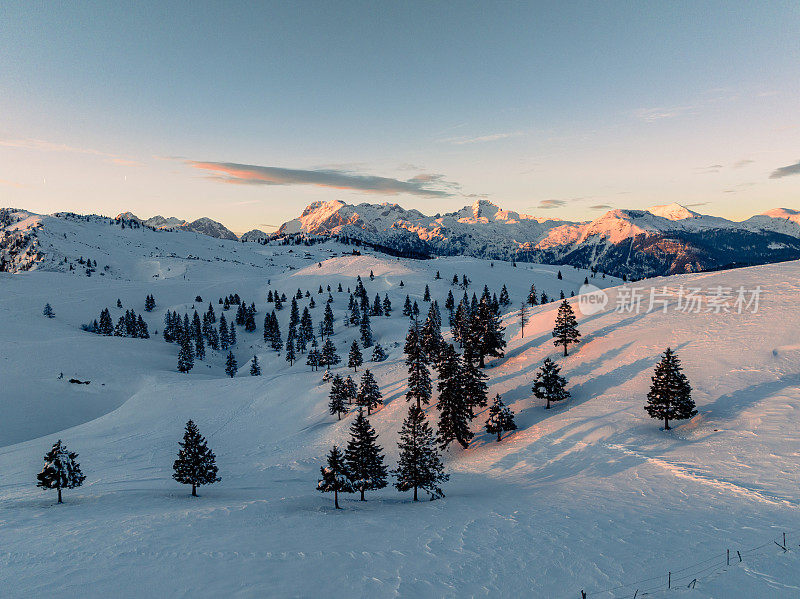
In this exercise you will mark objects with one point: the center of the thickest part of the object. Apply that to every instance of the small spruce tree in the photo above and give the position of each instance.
(255, 367)
(48, 311)
(501, 418)
(334, 476)
(61, 470)
(196, 464)
(230, 365)
(670, 395)
(369, 394)
(365, 467)
(565, 332)
(419, 465)
(549, 385)
(355, 359)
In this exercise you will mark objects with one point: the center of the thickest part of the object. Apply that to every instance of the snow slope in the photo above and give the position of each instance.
(589, 495)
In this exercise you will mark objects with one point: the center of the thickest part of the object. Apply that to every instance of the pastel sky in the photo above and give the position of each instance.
(247, 112)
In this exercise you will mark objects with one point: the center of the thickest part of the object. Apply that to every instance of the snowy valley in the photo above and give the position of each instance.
(589, 495)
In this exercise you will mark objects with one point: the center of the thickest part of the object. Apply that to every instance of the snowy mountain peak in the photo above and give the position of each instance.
(673, 211)
(784, 213)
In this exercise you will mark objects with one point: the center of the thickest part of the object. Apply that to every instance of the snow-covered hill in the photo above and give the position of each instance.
(589, 495)
(662, 240)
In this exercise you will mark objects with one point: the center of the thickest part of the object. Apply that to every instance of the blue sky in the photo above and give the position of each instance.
(246, 112)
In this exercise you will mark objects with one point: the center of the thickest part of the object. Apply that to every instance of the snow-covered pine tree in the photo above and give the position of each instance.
(355, 358)
(419, 465)
(487, 332)
(565, 332)
(369, 394)
(338, 397)
(350, 389)
(185, 355)
(670, 395)
(230, 365)
(430, 335)
(501, 418)
(199, 348)
(407, 309)
(329, 355)
(366, 330)
(419, 378)
(548, 384)
(314, 357)
(504, 299)
(48, 311)
(232, 333)
(523, 319)
(363, 457)
(196, 464)
(255, 367)
(426, 296)
(291, 354)
(334, 476)
(61, 470)
(224, 333)
(378, 354)
(532, 300)
(327, 321)
(387, 306)
(455, 412)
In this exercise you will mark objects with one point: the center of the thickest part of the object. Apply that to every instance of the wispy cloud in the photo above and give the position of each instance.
(601, 207)
(465, 140)
(425, 185)
(650, 115)
(546, 204)
(42, 145)
(785, 171)
(705, 170)
(743, 163)
(8, 183)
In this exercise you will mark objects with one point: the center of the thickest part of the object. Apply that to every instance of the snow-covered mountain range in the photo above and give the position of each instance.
(665, 239)
(204, 225)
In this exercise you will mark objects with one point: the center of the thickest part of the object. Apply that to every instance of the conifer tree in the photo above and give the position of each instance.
(426, 296)
(377, 308)
(350, 389)
(232, 334)
(545, 299)
(504, 299)
(337, 397)
(407, 309)
(670, 395)
(387, 306)
(106, 326)
(327, 321)
(334, 476)
(419, 378)
(255, 367)
(501, 418)
(366, 330)
(230, 365)
(532, 295)
(487, 332)
(455, 411)
(523, 319)
(549, 385)
(196, 464)
(378, 354)
(329, 355)
(314, 357)
(565, 331)
(48, 311)
(185, 355)
(199, 348)
(419, 465)
(473, 380)
(291, 355)
(224, 336)
(369, 394)
(355, 359)
(363, 457)
(61, 470)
